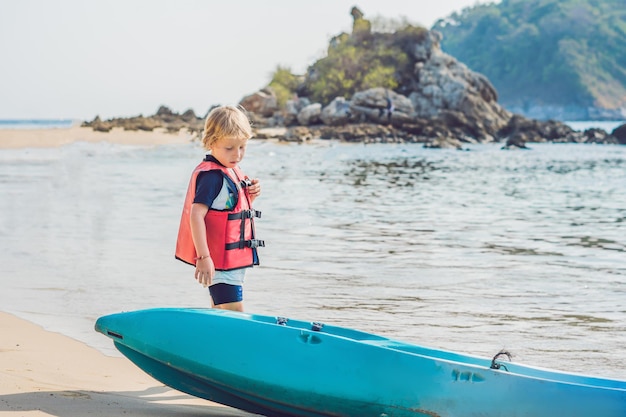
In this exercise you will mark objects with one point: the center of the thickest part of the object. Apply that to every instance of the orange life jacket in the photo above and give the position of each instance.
(230, 233)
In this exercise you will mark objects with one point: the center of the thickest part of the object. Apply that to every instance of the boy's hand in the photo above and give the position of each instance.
(205, 271)
(254, 189)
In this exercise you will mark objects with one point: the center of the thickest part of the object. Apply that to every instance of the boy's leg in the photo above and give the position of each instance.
(235, 306)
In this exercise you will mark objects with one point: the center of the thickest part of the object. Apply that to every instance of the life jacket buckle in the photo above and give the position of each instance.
(255, 243)
(248, 214)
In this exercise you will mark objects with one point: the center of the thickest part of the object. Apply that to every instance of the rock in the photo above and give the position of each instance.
(553, 130)
(520, 130)
(163, 118)
(310, 114)
(140, 123)
(422, 51)
(600, 136)
(164, 111)
(363, 132)
(382, 105)
(189, 116)
(98, 125)
(292, 108)
(270, 133)
(337, 112)
(263, 102)
(619, 133)
(516, 141)
(297, 134)
(444, 84)
(472, 129)
(361, 27)
(444, 143)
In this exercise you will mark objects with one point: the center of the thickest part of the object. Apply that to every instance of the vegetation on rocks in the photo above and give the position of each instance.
(284, 84)
(357, 63)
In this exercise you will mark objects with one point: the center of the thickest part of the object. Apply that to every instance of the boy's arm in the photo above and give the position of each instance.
(205, 269)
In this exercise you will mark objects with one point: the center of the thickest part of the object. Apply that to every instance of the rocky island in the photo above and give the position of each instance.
(382, 87)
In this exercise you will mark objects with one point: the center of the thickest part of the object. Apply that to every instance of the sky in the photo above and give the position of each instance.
(76, 59)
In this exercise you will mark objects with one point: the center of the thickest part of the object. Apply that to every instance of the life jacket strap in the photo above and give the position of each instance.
(245, 214)
(252, 243)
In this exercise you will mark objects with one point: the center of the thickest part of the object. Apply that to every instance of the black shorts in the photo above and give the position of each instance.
(226, 293)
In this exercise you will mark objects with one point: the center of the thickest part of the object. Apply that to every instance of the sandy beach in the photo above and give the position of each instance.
(48, 374)
(37, 138)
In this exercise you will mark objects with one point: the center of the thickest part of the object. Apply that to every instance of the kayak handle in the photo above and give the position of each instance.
(316, 326)
(496, 365)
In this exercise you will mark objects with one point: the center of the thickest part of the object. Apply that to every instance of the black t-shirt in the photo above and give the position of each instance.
(209, 185)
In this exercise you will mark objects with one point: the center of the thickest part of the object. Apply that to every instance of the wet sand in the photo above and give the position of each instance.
(48, 374)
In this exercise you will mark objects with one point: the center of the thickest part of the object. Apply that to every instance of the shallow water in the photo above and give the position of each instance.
(471, 251)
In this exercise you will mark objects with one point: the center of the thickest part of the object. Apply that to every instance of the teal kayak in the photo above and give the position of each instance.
(282, 367)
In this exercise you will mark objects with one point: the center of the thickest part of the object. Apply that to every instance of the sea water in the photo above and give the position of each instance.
(37, 123)
(471, 251)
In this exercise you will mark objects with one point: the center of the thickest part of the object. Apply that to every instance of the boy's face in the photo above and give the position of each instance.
(229, 151)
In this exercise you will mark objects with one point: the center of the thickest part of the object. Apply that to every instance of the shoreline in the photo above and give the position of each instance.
(45, 373)
(55, 137)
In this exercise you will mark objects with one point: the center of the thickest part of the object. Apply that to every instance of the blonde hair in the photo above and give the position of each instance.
(226, 122)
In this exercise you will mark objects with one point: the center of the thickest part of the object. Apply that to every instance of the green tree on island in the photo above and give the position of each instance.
(364, 59)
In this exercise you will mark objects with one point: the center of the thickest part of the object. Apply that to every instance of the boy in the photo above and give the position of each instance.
(216, 232)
